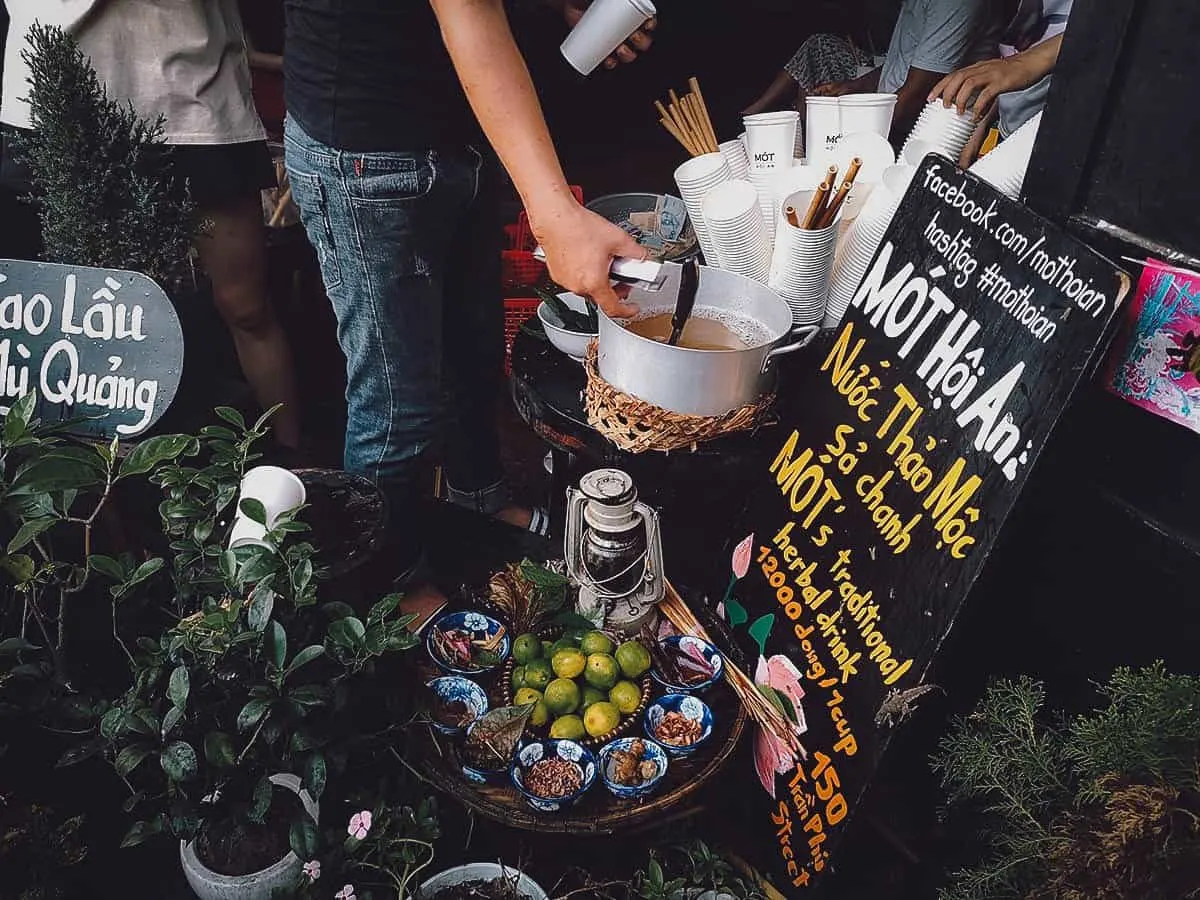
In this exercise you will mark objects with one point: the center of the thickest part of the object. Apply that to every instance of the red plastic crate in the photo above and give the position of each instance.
(519, 269)
(517, 310)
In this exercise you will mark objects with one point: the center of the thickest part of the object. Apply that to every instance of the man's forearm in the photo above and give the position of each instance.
(866, 83)
(501, 93)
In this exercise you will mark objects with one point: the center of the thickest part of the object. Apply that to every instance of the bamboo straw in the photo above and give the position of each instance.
(790, 212)
(836, 203)
(694, 84)
(693, 123)
(678, 135)
(693, 105)
(671, 121)
(766, 715)
(817, 208)
(280, 208)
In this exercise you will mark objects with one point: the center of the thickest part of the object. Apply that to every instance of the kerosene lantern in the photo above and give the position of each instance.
(613, 550)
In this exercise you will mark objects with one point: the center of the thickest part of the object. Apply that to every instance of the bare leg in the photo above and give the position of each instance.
(233, 252)
(775, 97)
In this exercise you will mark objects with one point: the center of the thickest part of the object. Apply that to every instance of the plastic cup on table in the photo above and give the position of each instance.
(279, 491)
(604, 27)
(771, 139)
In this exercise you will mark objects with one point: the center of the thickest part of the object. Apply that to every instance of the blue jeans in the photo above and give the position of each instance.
(409, 246)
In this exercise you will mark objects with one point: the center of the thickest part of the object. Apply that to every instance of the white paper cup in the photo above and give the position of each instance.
(695, 178)
(822, 129)
(604, 27)
(278, 490)
(772, 139)
(867, 112)
(735, 155)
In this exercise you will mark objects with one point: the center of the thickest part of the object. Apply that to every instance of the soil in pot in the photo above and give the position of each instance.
(243, 848)
(497, 889)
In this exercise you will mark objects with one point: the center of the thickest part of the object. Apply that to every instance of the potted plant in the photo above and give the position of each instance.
(237, 712)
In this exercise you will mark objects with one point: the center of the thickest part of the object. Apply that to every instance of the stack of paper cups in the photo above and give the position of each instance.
(695, 178)
(736, 228)
(278, 490)
(801, 263)
(943, 129)
(735, 154)
(603, 28)
(863, 239)
(1004, 168)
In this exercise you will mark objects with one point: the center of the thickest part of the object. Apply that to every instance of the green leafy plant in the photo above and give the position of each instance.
(690, 869)
(381, 849)
(1101, 806)
(103, 175)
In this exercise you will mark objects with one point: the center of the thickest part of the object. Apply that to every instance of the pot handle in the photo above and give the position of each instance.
(805, 337)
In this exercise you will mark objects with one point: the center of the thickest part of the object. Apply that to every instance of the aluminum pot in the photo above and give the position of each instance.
(700, 382)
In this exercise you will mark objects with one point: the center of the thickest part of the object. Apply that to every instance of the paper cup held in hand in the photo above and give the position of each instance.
(278, 490)
(605, 26)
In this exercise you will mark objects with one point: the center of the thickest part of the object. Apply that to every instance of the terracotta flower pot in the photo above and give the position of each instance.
(209, 885)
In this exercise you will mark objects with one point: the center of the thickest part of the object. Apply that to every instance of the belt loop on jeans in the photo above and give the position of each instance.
(358, 166)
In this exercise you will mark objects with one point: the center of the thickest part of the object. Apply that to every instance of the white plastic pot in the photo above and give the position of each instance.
(526, 886)
(209, 885)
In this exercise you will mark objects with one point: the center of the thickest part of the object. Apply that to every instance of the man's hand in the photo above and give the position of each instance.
(638, 42)
(989, 79)
(580, 247)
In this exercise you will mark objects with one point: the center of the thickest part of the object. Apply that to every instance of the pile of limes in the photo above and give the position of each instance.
(582, 686)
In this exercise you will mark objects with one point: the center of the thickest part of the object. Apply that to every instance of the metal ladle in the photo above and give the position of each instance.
(685, 300)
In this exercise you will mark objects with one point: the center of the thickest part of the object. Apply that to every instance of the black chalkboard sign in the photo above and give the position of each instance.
(102, 348)
(895, 466)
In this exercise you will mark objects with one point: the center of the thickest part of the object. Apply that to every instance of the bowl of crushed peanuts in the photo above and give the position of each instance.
(680, 722)
(553, 774)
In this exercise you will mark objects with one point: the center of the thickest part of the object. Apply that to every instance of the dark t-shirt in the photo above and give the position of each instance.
(372, 75)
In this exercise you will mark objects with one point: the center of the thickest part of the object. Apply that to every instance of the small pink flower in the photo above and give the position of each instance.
(346, 893)
(741, 557)
(312, 869)
(360, 824)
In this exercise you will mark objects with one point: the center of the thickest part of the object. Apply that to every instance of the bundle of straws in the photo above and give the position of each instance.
(759, 708)
(687, 119)
(825, 203)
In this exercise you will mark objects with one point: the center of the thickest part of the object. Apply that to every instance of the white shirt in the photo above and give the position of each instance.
(938, 36)
(182, 59)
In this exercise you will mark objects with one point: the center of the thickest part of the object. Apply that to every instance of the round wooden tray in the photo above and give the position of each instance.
(598, 812)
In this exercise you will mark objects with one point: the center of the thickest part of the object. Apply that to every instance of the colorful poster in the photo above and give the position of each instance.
(1156, 361)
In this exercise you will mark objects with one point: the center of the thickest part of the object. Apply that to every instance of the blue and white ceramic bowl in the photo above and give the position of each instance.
(653, 752)
(534, 752)
(454, 687)
(685, 704)
(481, 627)
(687, 645)
(482, 774)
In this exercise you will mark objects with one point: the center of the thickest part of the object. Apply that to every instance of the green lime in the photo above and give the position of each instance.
(602, 671)
(568, 728)
(591, 695)
(526, 695)
(568, 662)
(547, 649)
(634, 659)
(562, 644)
(518, 678)
(596, 642)
(538, 674)
(526, 648)
(601, 718)
(562, 696)
(626, 696)
(540, 715)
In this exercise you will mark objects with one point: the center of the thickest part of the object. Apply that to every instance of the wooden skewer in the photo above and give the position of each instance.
(790, 212)
(836, 203)
(694, 84)
(817, 208)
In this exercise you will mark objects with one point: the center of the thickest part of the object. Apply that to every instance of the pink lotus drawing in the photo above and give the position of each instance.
(771, 756)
